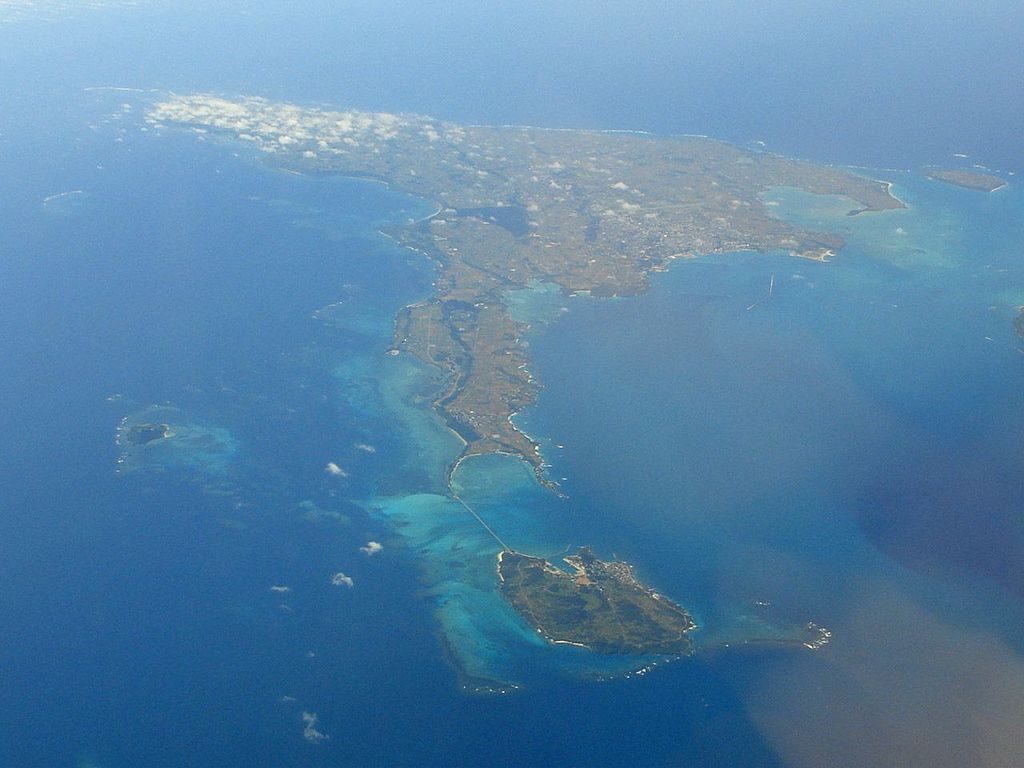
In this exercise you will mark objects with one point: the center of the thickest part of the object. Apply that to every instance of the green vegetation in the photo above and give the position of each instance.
(602, 606)
(984, 182)
(140, 434)
(592, 212)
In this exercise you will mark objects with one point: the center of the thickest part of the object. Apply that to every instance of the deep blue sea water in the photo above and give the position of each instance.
(846, 453)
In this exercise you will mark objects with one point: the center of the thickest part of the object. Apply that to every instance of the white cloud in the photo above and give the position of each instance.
(339, 579)
(310, 732)
(335, 470)
(371, 548)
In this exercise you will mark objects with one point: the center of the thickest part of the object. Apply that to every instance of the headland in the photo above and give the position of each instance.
(592, 212)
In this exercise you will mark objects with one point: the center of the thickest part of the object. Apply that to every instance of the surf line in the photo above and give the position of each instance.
(771, 290)
(480, 520)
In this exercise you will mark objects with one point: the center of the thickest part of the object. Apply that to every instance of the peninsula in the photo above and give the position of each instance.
(590, 212)
(601, 606)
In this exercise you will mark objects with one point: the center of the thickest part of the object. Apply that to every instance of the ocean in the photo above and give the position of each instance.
(845, 453)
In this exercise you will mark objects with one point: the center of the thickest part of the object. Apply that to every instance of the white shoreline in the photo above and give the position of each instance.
(63, 194)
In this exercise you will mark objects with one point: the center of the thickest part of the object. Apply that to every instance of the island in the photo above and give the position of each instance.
(591, 212)
(601, 606)
(983, 182)
(141, 434)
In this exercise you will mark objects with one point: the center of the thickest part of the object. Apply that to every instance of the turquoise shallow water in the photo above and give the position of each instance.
(846, 453)
(843, 454)
(798, 462)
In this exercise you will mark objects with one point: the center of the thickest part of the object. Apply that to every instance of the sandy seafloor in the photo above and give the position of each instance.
(846, 453)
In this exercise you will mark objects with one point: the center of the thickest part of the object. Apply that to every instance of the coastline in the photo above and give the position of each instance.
(537, 626)
(464, 328)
